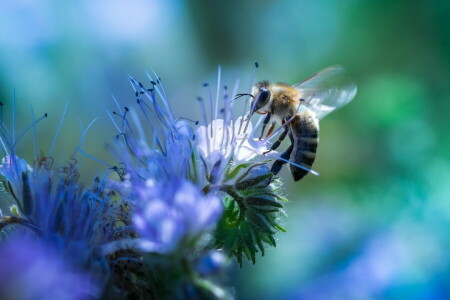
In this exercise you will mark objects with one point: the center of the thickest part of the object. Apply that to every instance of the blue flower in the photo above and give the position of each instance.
(33, 270)
(211, 263)
(179, 177)
(173, 212)
(51, 206)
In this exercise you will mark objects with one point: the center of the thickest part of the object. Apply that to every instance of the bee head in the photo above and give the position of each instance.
(261, 96)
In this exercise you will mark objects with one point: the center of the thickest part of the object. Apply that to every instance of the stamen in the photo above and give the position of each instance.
(233, 135)
(14, 117)
(151, 96)
(235, 88)
(117, 103)
(57, 131)
(124, 120)
(28, 128)
(225, 133)
(252, 78)
(218, 91)
(205, 121)
(93, 158)
(114, 121)
(294, 164)
(85, 131)
(149, 120)
(34, 134)
(163, 96)
(260, 120)
(139, 128)
(211, 108)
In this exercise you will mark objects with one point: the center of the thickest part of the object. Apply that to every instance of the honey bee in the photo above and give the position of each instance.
(298, 109)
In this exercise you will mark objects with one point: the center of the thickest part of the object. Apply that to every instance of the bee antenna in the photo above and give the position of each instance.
(189, 120)
(241, 95)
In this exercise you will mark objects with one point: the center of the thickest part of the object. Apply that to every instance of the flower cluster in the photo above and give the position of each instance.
(182, 199)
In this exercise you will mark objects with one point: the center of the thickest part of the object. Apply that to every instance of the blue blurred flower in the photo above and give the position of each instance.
(170, 212)
(390, 265)
(211, 263)
(32, 270)
(73, 220)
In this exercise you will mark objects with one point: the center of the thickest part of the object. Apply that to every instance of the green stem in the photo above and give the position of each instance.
(203, 284)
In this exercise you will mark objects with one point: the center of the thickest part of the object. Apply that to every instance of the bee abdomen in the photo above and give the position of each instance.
(305, 133)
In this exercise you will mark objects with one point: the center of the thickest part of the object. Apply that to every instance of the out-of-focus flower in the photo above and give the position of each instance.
(50, 205)
(32, 270)
(211, 263)
(387, 265)
(171, 212)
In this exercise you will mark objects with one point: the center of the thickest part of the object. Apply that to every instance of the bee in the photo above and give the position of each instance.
(298, 108)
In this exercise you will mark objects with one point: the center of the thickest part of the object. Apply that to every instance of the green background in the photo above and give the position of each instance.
(375, 223)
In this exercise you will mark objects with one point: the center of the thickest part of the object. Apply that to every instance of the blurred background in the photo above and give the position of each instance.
(375, 223)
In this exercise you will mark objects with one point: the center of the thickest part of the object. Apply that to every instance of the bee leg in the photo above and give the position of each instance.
(280, 139)
(278, 164)
(266, 120)
(271, 128)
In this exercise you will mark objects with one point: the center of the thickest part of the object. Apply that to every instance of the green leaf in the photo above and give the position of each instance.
(259, 201)
(259, 221)
(232, 174)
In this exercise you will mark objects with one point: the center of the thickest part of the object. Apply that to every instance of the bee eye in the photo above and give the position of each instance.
(261, 99)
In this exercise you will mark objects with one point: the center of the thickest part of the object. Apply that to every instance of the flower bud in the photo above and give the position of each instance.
(257, 176)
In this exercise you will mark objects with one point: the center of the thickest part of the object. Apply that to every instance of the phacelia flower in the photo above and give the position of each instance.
(166, 213)
(182, 196)
(233, 141)
(33, 270)
(179, 177)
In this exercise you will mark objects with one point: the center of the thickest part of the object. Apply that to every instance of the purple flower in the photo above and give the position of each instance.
(32, 270)
(173, 212)
(51, 206)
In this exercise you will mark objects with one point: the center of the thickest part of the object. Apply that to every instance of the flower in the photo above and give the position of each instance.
(180, 199)
(210, 263)
(172, 212)
(33, 270)
(12, 169)
(72, 220)
(234, 140)
(179, 178)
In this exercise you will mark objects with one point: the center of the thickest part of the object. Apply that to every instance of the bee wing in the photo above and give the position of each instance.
(327, 90)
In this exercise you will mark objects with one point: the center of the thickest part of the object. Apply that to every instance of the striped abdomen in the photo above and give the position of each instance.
(305, 132)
